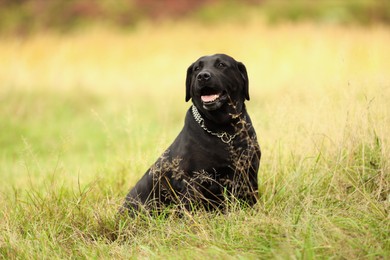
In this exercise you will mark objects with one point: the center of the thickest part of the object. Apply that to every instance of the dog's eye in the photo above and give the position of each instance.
(196, 68)
(221, 65)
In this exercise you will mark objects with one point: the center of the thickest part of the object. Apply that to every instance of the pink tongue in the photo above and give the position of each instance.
(209, 98)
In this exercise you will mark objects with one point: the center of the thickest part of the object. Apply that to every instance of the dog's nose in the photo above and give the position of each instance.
(203, 76)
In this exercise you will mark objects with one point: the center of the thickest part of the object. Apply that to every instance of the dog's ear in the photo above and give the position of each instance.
(244, 75)
(188, 82)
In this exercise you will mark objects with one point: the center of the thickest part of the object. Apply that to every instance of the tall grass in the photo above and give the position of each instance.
(83, 116)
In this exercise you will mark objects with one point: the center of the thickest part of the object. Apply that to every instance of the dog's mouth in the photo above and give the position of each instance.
(212, 99)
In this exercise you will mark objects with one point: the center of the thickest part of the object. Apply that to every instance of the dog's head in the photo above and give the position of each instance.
(218, 86)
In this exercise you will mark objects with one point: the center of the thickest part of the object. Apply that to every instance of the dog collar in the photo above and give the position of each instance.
(225, 137)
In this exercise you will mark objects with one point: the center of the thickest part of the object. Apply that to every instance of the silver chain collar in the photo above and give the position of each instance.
(225, 137)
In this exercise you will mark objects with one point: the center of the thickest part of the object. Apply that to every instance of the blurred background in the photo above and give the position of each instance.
(26, 16)
(99, 84)
(94, 43)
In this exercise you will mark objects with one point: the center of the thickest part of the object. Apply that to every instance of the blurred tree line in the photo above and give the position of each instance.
(24, 16)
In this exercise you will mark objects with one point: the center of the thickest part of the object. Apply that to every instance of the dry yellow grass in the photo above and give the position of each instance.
(280, 56)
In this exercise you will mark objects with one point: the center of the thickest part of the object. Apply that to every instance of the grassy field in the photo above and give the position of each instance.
(83, 115)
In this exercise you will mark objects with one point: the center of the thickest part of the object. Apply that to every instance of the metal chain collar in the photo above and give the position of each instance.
(225, 137)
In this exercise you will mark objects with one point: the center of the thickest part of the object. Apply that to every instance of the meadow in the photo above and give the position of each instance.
(84, 114)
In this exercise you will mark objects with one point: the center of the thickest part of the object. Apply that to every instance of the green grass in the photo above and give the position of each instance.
(80, 123)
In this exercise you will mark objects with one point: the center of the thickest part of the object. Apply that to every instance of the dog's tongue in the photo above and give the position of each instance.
(209, 98)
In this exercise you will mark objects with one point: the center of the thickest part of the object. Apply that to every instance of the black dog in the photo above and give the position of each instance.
(216, 156)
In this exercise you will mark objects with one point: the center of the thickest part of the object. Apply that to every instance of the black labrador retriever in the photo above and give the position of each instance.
(216, 156)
